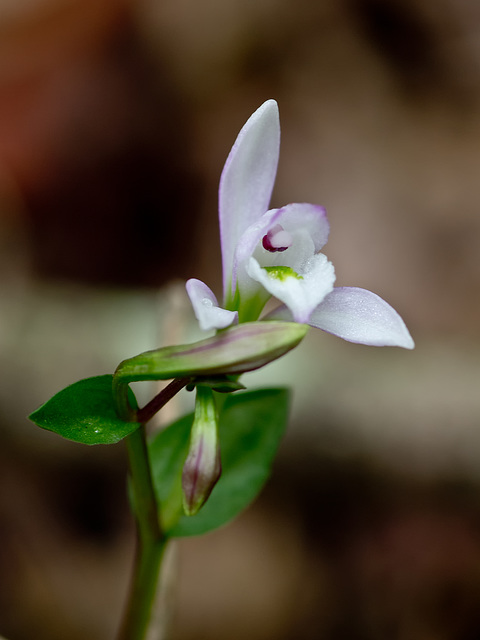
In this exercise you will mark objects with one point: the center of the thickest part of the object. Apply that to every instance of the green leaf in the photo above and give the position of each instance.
(85, 412)
(251, 427)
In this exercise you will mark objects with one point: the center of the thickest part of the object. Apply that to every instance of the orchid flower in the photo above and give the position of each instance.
(276, 252)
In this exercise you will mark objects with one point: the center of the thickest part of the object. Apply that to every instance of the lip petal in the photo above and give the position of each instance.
(301, 293)
(246, 183)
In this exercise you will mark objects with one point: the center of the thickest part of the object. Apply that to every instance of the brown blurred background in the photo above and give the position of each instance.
(115, 119)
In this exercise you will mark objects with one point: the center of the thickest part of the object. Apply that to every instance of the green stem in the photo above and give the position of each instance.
(140, 612)
(151, 542)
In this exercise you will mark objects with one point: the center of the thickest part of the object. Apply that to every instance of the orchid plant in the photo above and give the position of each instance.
(204, 469)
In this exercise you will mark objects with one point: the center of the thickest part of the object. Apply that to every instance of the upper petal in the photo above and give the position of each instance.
(205, 307)
(312, 218)
(247, 182)
(358, 315)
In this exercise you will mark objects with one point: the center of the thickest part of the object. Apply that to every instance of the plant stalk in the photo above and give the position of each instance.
(140, 620)
(151, 543)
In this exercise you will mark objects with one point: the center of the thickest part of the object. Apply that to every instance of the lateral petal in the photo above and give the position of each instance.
(205, 306)
(357, 315)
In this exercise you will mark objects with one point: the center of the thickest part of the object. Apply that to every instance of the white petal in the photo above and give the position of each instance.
(205, 306)
(310, 217)
(358, 315)
(302, 295)
(247, 182)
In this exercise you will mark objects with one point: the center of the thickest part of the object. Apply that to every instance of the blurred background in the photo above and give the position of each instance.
(116, 117)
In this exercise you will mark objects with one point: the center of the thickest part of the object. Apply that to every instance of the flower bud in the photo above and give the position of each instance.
(202, 467)
(236, 350)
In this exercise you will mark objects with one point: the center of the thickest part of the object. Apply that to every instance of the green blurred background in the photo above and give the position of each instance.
(116, 117)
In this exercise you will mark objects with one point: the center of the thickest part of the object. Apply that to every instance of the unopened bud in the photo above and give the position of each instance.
(202, 467)
(236, 350)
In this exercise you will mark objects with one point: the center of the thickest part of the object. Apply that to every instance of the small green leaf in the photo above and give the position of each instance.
(85, 412)
(251, 427)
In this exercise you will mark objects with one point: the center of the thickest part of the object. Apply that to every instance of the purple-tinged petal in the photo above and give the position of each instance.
(205, 306)
(247, 181)
(356, 315)
(310, 217)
